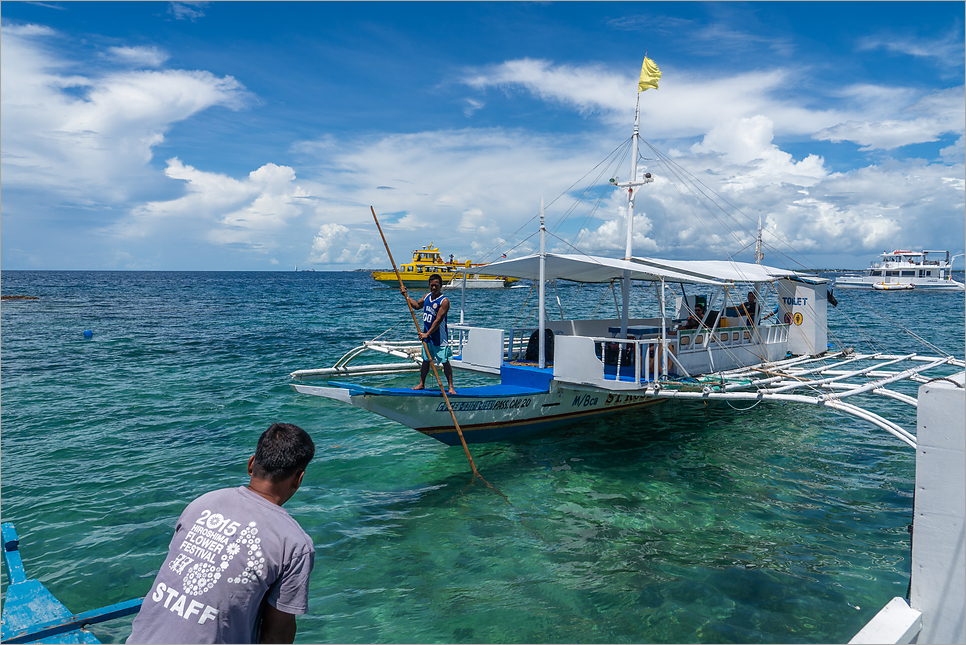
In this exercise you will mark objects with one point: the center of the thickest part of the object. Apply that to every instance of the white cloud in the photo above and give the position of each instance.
(27, 30)
(915, 119)
(882, 134)
(138, 56)
(483, 184)
(685, 105)
(954, 154)
(187, 10)
(947, 49)
(477, 188)
(472, 106)
(708, 39)
(589, 88)
(88, 139)
(688, 105)
(331, 245)
(610, 238)
(224, 210)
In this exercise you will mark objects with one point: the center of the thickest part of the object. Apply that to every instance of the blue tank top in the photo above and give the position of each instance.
(439, 337)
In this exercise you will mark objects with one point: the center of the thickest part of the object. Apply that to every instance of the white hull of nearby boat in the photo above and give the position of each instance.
(485, 414)
(904, 270)
(937, 285)
(475, 283)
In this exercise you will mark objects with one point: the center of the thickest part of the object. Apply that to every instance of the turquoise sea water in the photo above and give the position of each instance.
(682, 523)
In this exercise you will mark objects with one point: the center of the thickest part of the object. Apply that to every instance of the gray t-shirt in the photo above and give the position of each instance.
(231, 549)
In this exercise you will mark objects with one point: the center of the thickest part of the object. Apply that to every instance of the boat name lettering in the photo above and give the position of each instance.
(613, 399)
(194, 607)
(492, 404)
(583, 401)
(795, 301)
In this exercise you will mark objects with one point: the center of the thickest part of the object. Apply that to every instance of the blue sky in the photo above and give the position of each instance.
(255, 136)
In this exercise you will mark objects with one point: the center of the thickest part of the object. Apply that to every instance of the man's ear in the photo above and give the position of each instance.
(298, 480)
(251, 463)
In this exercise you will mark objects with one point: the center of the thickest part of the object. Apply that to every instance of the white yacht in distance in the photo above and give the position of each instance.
(897, 270)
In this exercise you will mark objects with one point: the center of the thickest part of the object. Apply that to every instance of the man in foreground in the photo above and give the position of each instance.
(238, 565)
(435, 332)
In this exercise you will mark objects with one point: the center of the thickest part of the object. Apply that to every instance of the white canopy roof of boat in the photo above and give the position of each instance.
(726, 270)
(586, 268)
(590, 268)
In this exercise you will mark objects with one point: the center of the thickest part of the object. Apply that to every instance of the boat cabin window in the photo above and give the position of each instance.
(875, 273)
(893, 273)
(909, 273)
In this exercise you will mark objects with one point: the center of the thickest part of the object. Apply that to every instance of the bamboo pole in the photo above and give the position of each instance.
(432, 363)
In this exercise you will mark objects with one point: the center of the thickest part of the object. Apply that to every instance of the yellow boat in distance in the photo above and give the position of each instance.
(428, 260)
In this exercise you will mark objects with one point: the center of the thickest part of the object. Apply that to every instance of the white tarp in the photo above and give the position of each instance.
(586, 268)
(589, 268)
(722, 269)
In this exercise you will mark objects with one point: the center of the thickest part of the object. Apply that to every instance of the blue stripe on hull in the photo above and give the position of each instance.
(483, 433)
(483, 390)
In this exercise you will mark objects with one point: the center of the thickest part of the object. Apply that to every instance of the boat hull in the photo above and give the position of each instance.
(491, 413)
(938, 285)
(450, 281)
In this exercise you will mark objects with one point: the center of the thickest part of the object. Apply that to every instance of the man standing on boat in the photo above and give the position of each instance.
(238, 565)
(435, 334)
(750, 307)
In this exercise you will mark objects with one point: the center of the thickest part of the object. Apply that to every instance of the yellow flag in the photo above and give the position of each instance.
(650, 75)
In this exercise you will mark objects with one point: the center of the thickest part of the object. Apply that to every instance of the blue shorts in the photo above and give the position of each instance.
(440, 354)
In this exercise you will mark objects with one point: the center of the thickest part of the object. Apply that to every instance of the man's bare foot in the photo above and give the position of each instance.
(451, 391)
(420, 387)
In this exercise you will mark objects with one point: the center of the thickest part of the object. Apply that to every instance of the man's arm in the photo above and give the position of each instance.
(415, 304)
(277, 626)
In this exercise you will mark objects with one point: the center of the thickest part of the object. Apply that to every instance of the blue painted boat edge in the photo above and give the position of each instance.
(508, 430)
(480, 391)
(32, 614)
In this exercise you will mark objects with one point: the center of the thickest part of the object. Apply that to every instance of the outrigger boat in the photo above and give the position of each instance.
(31, 614)
(428, 260)
(568, 370)
(905, 270)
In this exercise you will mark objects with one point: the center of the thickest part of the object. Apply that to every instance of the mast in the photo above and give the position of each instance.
(542, 361)
(630, 190)
(758, 254)
(630, 185)
(758, 257)
(628, 249)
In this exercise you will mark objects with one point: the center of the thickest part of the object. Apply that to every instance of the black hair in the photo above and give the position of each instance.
(437, 277)
(283, 450)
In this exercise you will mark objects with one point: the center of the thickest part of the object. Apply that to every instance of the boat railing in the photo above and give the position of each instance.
(626, 360)
(701, 339)
(614, 363)
(631, 359)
